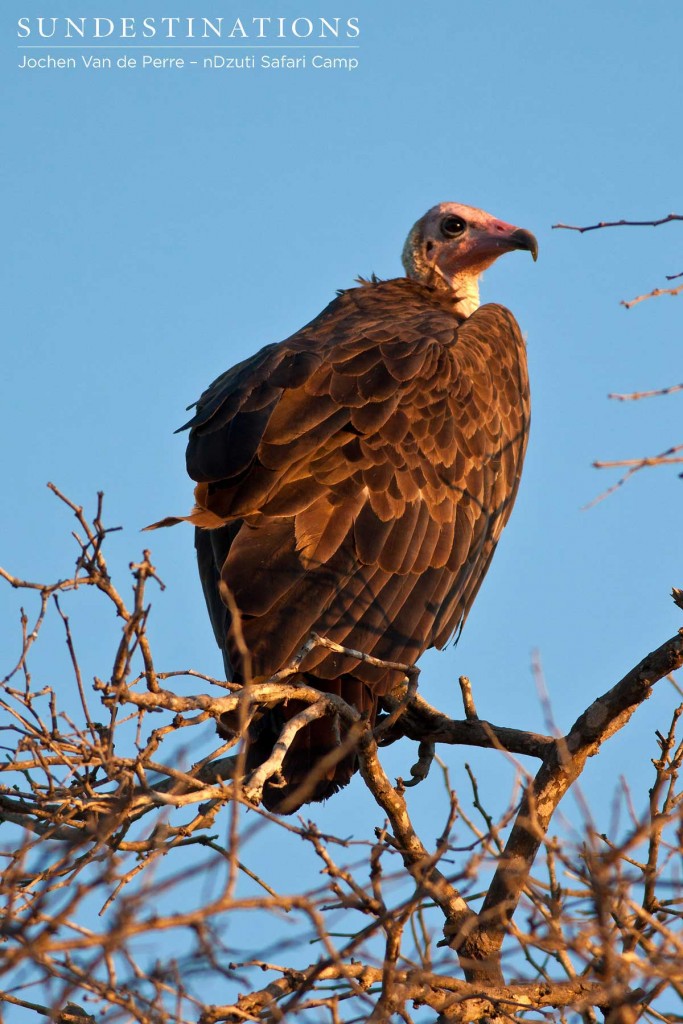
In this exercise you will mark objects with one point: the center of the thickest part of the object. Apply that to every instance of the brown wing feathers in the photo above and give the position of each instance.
(365, 468)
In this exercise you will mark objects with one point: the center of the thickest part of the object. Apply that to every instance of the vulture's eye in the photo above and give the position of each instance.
(452, 226)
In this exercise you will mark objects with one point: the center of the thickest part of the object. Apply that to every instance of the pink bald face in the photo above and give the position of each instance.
(455, 240)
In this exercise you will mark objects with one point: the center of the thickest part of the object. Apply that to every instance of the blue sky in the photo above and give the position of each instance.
(162, 225)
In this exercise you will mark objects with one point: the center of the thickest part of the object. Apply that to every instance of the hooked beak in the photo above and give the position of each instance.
(522, 239)
(495, 238)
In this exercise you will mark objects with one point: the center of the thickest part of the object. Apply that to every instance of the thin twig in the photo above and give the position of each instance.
(666, 458)
(628, 303)
(635, 395)
(621, 223)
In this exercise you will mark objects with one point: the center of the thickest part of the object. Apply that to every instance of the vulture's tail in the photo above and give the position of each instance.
(321, 758)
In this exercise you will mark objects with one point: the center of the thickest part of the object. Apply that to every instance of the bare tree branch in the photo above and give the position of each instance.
(635, 395)
(628, 303)
(667, 458)
(622, 223)
(102, 805)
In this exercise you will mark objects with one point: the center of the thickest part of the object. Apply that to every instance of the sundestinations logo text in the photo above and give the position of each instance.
(90, 29)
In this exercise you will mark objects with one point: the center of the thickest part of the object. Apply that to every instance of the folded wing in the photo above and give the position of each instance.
(354, 479)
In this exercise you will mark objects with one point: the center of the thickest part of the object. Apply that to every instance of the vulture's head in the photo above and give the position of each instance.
(452, 244)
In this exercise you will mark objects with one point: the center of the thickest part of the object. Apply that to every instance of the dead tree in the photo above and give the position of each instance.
(105, 816)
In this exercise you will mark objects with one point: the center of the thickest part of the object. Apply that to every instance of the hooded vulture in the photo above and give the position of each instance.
(354, 479)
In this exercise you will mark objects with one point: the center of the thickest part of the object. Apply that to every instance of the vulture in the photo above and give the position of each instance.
(354, 480)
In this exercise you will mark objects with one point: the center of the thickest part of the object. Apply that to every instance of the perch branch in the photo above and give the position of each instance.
(421, 721)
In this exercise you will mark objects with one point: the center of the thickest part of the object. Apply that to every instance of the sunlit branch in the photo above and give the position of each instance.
(666, 458)
(635, 395)
(628, 303)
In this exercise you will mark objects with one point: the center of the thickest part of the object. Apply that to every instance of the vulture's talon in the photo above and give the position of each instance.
(420, 770)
